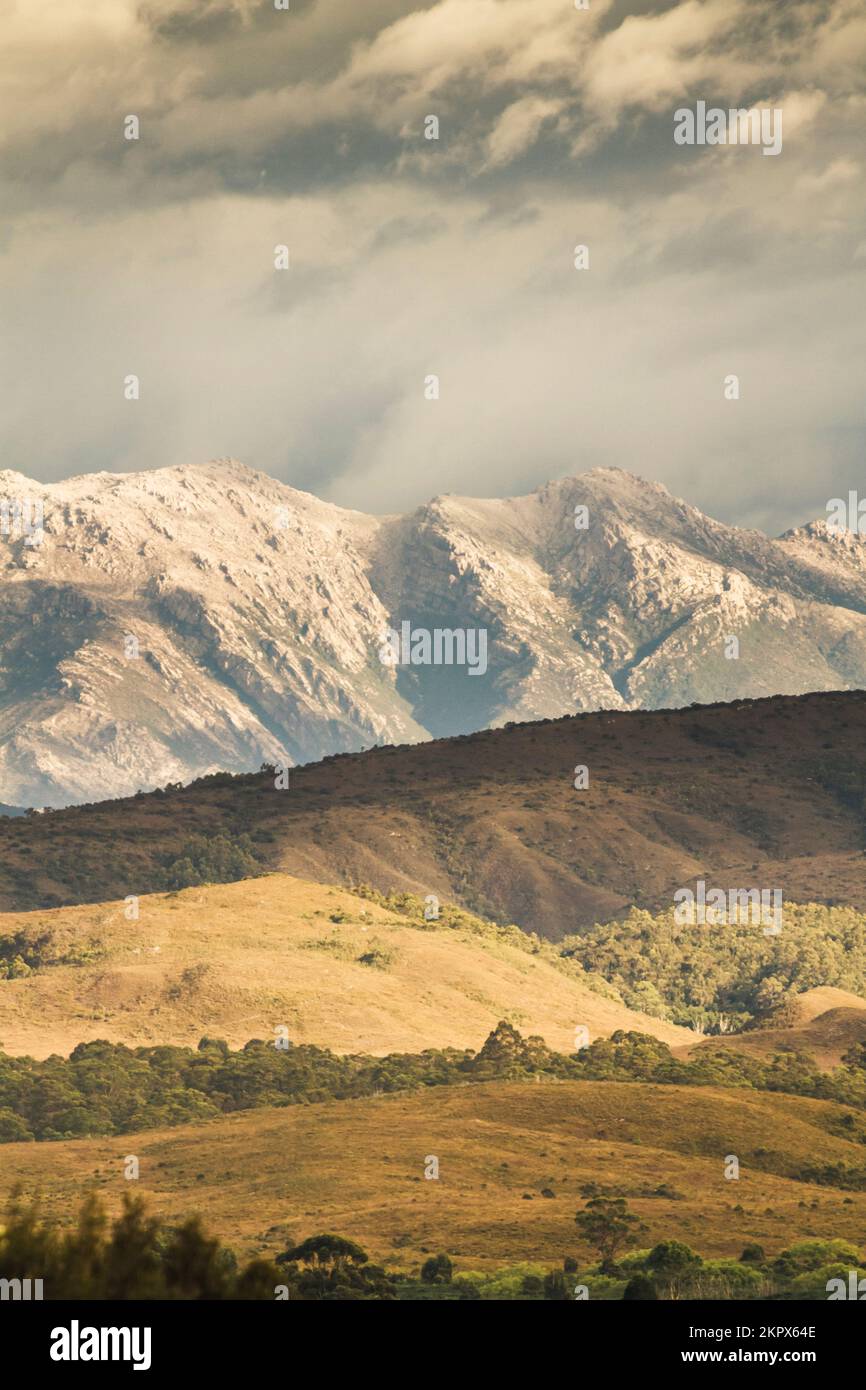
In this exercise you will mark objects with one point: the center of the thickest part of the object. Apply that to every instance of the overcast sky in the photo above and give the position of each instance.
(454, 256)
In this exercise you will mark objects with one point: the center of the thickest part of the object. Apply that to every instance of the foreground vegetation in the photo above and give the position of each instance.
(139, 1257)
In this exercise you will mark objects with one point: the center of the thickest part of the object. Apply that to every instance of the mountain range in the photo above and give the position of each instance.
(163, 625)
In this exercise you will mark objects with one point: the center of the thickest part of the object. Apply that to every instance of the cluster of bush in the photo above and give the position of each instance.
(105, 1088)
(136, 1256)
(667, 1270)
(209, 859)
(109, 1088)
(722, 979)
(672, 1270)
(26, 951)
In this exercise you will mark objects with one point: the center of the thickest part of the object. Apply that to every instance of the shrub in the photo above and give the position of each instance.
(640, 1286)
(437, 1270)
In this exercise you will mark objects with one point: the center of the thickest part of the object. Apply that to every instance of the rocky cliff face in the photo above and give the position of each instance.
(158, 626)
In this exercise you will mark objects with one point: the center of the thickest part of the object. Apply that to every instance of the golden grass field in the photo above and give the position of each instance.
(267, 1178)
(236, 960)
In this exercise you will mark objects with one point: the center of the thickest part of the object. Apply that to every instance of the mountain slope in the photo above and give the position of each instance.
(767, 794)
(167, 624)
(250, 610)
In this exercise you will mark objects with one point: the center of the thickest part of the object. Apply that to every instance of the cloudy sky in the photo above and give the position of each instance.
(410, 256)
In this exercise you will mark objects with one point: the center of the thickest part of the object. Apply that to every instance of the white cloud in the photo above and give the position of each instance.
(518, 128)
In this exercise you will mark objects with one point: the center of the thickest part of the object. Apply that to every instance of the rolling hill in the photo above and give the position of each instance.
(269, 1178)
(237, 960)
(766, 794)
(829, 1022)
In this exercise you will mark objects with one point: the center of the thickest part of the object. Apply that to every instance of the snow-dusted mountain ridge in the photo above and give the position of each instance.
(157, 626)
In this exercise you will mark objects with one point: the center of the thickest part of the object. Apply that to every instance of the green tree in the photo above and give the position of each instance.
(138, 1258)
(640, 1286)
(556, 1288)
(325, 1250)
(195, 1264)
(607, 1224)
(437, 1270)
(671, 1263)
(753, 1254)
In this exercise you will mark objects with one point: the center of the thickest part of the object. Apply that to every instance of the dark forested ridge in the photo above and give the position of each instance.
(766, 792)
(104, 1088)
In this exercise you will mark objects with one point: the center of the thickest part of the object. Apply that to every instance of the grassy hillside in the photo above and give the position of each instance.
(237, 960)
(767, 793)
(271, 1177)
(826, 1036)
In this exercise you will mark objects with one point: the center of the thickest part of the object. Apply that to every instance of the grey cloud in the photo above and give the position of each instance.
(411, 257)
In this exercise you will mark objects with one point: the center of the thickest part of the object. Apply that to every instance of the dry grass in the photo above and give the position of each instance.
(266, 1178)
(236, 960)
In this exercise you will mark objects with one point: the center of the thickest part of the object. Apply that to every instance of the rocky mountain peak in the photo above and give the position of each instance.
(166, 624)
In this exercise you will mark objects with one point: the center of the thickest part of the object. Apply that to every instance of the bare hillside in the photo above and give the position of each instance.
(239, 960)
